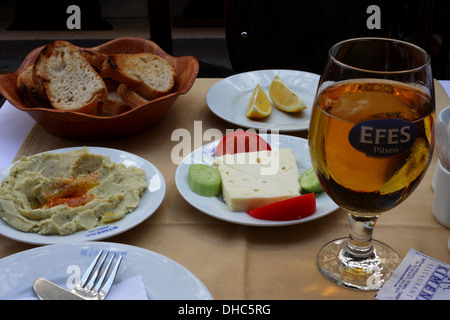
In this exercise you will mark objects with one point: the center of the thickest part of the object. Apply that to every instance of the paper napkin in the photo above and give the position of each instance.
(418, 277)
(131, 289)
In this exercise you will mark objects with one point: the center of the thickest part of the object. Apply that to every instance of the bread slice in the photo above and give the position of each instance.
(150, 75)
(131, 97)
(70, 82)
(113, 106)
(33, 90)
(94, 58)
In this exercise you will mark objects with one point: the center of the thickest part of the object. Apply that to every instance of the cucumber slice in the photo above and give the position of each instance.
(204, 180)
(309, 182)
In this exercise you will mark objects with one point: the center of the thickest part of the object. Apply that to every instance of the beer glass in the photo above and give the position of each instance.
(371, 138)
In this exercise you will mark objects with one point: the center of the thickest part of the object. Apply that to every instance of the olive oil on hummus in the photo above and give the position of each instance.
(62, 193)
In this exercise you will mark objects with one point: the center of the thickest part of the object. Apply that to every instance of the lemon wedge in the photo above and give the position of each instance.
(284, 98)
(259, 105)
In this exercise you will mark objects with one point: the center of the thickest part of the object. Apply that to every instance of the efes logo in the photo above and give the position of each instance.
(383, 137)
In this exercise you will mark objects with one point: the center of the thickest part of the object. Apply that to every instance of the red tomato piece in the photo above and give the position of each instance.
(290, 209)
(241, 141)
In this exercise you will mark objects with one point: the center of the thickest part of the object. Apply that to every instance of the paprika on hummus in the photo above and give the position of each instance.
(62, 193)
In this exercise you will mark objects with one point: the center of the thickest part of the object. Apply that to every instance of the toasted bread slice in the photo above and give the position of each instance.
(33, 90)
(70, 82)
(95, 59)
(113, 106)
(149, 74)
(131, 97)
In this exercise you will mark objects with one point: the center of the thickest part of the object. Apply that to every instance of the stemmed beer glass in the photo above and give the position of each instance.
(371, 138)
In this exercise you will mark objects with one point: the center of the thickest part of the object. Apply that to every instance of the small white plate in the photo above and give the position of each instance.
(216, 207)
(229, 97)
(163, 278)
(150, 201)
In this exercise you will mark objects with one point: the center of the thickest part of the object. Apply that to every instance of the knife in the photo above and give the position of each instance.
(47, 290)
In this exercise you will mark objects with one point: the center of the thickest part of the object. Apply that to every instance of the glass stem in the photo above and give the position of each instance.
(360, 245)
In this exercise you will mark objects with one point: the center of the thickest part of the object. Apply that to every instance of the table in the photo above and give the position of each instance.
(244, 262)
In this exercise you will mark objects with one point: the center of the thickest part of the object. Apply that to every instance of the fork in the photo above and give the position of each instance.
(93, 285)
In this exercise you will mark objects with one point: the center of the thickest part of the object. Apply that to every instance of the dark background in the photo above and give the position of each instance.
(260, 34)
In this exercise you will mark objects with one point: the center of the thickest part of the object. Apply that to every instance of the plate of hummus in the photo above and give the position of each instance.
(77, 194)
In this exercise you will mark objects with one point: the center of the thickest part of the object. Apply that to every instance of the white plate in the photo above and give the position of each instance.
(216, 207)
(162, 277)
(150, 201)
(229, 97)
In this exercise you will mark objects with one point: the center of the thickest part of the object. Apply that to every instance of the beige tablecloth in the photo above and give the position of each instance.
(244, 262)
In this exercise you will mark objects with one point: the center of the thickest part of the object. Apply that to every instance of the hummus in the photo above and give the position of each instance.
(62, 193)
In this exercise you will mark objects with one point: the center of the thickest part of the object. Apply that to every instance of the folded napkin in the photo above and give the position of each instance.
(130, 289)
(418, 277)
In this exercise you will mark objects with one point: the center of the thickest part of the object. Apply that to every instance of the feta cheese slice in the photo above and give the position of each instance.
(254, 179)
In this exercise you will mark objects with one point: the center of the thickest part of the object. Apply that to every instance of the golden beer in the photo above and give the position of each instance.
(362, 183)
(371, 138)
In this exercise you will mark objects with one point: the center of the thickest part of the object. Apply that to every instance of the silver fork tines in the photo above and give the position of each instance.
(95, 284)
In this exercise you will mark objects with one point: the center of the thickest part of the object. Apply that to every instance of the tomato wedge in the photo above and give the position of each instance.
(241, 141)
(290, 209)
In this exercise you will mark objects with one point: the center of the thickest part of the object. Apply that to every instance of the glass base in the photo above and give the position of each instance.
(361, 273)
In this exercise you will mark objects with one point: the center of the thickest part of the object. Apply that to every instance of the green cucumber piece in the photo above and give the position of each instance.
(205, 180)
(309, 182)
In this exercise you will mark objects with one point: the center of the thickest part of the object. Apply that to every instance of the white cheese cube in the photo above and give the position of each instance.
(254, 179)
